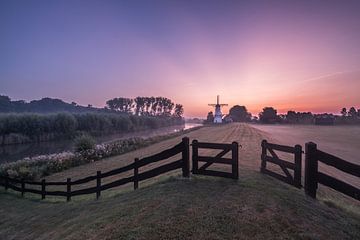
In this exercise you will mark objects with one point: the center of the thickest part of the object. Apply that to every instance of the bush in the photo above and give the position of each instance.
(84, 143)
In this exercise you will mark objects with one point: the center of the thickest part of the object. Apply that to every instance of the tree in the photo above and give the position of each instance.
(139, 105)
(120, 104)
(352, 112)
(210, 117)
(239, 114)
(179, 110)
(343, 112)
(5, 103)
(268, 115)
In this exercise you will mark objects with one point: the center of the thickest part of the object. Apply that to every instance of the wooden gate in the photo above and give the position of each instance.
(209, 160)
(295, 179)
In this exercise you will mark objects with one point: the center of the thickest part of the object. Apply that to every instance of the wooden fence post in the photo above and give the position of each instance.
(195, 153)
(235, 160)
(186, 157)
(68, 189)
(263, 155)
(98, 184)
(297, 170)
(22, 187)
(311, 169)
(43, 189)
(136, 174)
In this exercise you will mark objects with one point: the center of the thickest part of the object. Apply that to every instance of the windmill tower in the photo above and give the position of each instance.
(218, 114)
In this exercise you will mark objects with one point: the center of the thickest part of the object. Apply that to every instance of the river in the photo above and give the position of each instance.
(10, 153)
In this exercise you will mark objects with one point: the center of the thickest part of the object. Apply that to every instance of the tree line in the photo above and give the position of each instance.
(48, 119)
(34, 127)
(144, 106)
(270, 115)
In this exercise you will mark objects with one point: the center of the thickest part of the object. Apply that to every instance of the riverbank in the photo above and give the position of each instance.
(44, 165)
(10, 153)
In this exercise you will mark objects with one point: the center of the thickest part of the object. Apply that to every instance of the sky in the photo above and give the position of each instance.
(292, 55)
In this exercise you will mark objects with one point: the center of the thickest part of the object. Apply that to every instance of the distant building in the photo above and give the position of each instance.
(228, 119)
(218, 114)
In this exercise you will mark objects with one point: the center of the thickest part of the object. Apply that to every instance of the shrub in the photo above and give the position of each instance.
(84, 143)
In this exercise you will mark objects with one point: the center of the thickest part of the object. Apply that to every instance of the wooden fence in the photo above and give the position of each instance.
(294, 179)
(313, 176)
(183, 163)
(233, 161)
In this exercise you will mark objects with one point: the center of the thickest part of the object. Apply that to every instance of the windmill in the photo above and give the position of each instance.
(218, 114)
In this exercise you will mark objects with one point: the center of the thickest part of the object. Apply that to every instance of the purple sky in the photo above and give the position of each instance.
(300, 55)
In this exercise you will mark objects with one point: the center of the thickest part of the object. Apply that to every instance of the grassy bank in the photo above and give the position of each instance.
(169, 207)
(44, 165)
(255, 207)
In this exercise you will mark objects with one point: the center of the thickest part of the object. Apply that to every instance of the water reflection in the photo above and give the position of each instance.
(12, 153)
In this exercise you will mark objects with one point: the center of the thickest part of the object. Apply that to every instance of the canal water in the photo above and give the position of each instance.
(10, 153)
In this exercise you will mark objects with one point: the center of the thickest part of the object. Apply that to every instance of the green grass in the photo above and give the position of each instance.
(255, 207)
(170, 207)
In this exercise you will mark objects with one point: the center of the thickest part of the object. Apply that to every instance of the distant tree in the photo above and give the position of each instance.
(268, 115)
(73, 103)
(299, 117)
(210, 117)
(291, 117)
(179, 110)
(5, 103)
(352, 112)
(139, 105)
(239, 114)
(358, 112)
(343, 112)
(120, 104)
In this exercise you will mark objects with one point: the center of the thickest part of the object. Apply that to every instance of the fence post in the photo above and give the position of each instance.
(22, 187)
(311, 169)
(98, 184)
(186, 157)
(235, 160)
(297, 170)
(136, 174)
(195, 153)
(43, 189)
(263, 155)
(68, 189)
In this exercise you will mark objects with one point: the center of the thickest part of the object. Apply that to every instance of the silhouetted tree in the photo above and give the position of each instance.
(239, 114)
(179, 110)
(210, 117)
(123, 105)
(343, 112)
(268, 115)
(352, 112)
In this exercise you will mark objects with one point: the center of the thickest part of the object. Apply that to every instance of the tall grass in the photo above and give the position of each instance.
(31, 127)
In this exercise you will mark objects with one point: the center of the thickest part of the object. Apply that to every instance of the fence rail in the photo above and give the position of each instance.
(313, 176)
(294, 179)
(183, 163)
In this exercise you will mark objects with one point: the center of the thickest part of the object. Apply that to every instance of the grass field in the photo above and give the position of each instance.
(257, 206)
